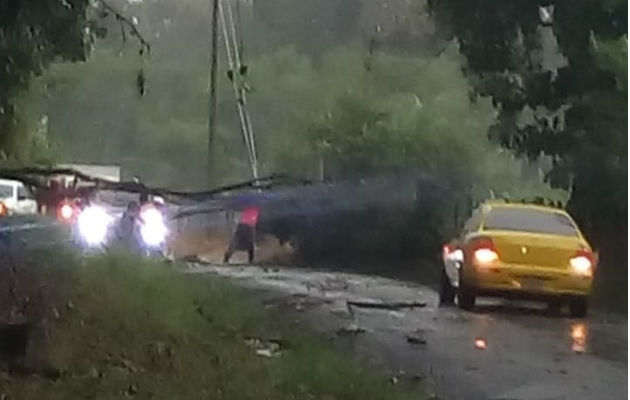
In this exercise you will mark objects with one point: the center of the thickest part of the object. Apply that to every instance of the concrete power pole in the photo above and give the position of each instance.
(212, 104)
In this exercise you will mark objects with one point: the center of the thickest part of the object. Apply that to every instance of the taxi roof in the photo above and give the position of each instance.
(527, 206)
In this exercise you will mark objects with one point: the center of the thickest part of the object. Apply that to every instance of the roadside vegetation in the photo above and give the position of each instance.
(115, 326)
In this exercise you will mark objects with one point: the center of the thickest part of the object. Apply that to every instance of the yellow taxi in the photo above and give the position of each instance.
(519, 250)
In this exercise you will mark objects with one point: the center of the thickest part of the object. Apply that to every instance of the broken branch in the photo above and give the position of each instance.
(396, 305)
(124, 21)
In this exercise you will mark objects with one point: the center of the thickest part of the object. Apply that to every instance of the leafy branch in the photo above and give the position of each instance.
(127, 24)
(130, 25)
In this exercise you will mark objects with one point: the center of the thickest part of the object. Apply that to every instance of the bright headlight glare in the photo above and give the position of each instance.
(93, 223)
(581, 265)
(152, 216)
(153, 229)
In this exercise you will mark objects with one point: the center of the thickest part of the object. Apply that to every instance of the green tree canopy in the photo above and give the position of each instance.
(557, 74)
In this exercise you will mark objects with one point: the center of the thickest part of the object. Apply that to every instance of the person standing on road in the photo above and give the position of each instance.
(51, 197)
(244, 236)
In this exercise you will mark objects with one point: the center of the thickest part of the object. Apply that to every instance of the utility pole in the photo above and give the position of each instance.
(235, 75)
(212, 104)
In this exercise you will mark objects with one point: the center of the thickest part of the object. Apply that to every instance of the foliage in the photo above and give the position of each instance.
(564, 64)
(127, 327)
(32, 36)
(406, 114)
(305, 109)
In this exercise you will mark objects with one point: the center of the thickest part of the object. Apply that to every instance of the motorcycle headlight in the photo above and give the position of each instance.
(93, 223)
(153, 229)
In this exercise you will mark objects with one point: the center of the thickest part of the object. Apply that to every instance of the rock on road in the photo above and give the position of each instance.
(501, 351)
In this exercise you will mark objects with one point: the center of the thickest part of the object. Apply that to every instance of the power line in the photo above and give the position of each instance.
(235, 75)
(242, 93)
(212, 104)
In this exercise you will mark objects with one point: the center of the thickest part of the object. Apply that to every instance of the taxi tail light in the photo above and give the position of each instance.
(583, 262)
(484, 251)
(3, 209)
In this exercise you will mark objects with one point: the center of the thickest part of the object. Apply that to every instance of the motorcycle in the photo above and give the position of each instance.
(142, 231)
(150, 232)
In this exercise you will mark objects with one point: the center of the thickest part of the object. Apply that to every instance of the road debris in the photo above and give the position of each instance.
(335, 284)
(393, 305)
(417, 377)
(416, 337)
(398, 377)
(268, 353)
(132, 390)
(95, 373)
(350, 330)
(126, 364)
(297, 301)
(396, 314)
(264, 348)
(193, 259)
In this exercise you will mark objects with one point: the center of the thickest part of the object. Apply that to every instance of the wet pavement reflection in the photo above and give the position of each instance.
(578, 336)
(531, 352)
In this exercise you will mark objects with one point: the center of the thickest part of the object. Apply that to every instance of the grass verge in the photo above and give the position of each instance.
(115, 326)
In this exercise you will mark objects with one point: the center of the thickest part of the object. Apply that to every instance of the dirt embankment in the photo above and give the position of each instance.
(210, 246)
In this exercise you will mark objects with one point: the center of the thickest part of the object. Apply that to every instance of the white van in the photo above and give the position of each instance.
(16, 197)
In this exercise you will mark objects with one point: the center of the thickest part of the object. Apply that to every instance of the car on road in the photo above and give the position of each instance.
(16, 198)
(518, 250)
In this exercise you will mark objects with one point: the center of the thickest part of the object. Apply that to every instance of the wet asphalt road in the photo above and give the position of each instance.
(500, 351)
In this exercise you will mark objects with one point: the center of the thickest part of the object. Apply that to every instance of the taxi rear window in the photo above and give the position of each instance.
(529, 220)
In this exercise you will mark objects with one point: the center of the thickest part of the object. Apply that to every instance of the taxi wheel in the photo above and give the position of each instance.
(578, 307)
(465, 296)
(447, 292)
(554, 306)
(465, 299)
